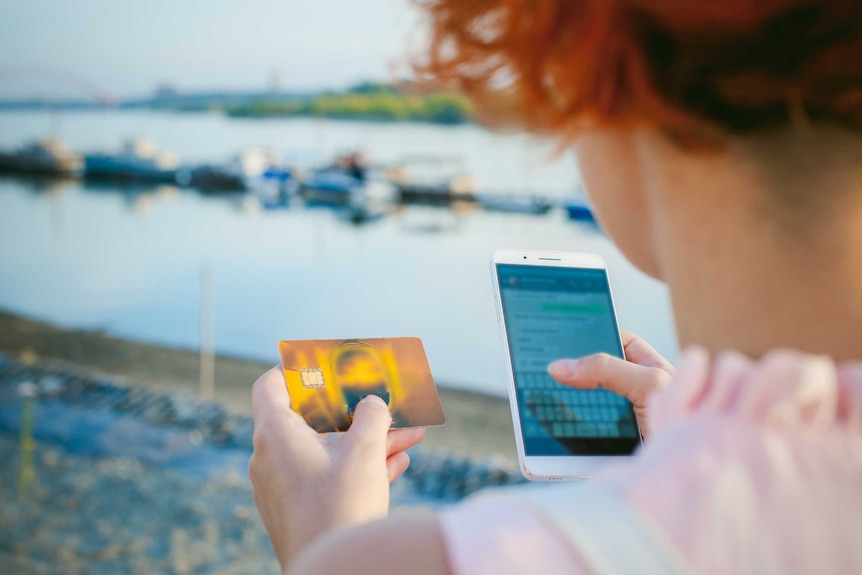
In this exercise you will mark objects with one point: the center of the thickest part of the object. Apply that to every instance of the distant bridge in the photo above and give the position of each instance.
(59, 76)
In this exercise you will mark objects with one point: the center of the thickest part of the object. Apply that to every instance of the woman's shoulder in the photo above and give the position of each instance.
(785, 389)
(755, 465)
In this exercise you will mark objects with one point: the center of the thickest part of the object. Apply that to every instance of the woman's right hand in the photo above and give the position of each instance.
(643, 372)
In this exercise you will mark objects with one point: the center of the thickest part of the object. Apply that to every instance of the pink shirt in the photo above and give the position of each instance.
(752, 467)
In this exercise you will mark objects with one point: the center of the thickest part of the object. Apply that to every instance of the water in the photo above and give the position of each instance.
(130, 262)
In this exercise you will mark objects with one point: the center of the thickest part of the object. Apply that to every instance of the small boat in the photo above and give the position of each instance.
(354, 200)
(137, 161)
(578, 210)
(331, 188)
(211, 178)
(514, 204)
(253, 168)
(338, 188)
(431, 195)
(431, 180)
(47, 157)
(277, 185)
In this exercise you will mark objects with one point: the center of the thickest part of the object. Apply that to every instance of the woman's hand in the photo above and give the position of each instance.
(305, 484)
(642, 372)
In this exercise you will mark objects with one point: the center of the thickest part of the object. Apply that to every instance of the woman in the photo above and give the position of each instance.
(720, 144)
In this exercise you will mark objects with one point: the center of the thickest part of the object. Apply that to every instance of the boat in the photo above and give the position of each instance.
(431, 180)
(514, 204)
(580, 212)
(211, 178)
(431, 195)
(578, 207)
(337, 188)
(277, 185)
(48, 157)
(354, 200)
(137, 161)
(331, 188)
(251, 169)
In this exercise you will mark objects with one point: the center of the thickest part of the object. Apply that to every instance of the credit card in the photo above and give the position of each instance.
(326, 378)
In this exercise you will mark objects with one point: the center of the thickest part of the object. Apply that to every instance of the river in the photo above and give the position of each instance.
(130, 261)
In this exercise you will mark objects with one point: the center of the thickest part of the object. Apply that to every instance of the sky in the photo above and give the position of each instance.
(125, 48)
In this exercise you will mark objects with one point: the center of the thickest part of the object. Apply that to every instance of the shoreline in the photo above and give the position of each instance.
(477, 425)
(79, 440)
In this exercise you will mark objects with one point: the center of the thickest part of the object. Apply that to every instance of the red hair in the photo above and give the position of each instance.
(697, 69)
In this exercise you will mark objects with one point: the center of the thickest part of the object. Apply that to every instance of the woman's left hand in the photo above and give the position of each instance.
(305, 484)
(643, 372)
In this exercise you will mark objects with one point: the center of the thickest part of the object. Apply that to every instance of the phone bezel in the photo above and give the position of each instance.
(546, 468)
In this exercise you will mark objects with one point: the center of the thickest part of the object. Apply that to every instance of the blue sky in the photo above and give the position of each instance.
(127, 47)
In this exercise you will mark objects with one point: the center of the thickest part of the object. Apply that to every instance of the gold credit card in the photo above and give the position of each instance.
(326, 378)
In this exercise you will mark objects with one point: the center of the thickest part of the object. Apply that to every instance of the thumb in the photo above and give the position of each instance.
(630, 380)
(371, 421)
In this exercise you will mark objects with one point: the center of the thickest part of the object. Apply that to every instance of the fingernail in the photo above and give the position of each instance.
(562, 368)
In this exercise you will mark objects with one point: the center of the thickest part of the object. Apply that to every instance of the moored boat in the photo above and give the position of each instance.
(138, 160)
(212, 178)
(431, 195)
(514, 204)
(329, 187)
(47, 157)
(578, 207)
(354, 200)
(253, 168)
(578, 210)
(431, 180)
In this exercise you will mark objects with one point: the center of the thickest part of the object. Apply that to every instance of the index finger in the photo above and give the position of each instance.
(638, 351)
(623, 377)
(269, 393)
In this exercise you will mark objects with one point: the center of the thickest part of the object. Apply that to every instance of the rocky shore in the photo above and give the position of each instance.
(93, 514)
(103, 474)
(477, 425)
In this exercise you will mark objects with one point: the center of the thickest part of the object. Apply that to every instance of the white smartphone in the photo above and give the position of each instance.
(555, 305)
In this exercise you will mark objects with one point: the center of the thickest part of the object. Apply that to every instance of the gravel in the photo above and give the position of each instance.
(99, 476)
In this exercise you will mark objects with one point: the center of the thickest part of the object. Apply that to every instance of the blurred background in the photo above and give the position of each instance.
(182, 184)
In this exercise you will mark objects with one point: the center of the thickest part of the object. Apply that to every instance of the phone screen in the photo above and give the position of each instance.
(554, 313)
